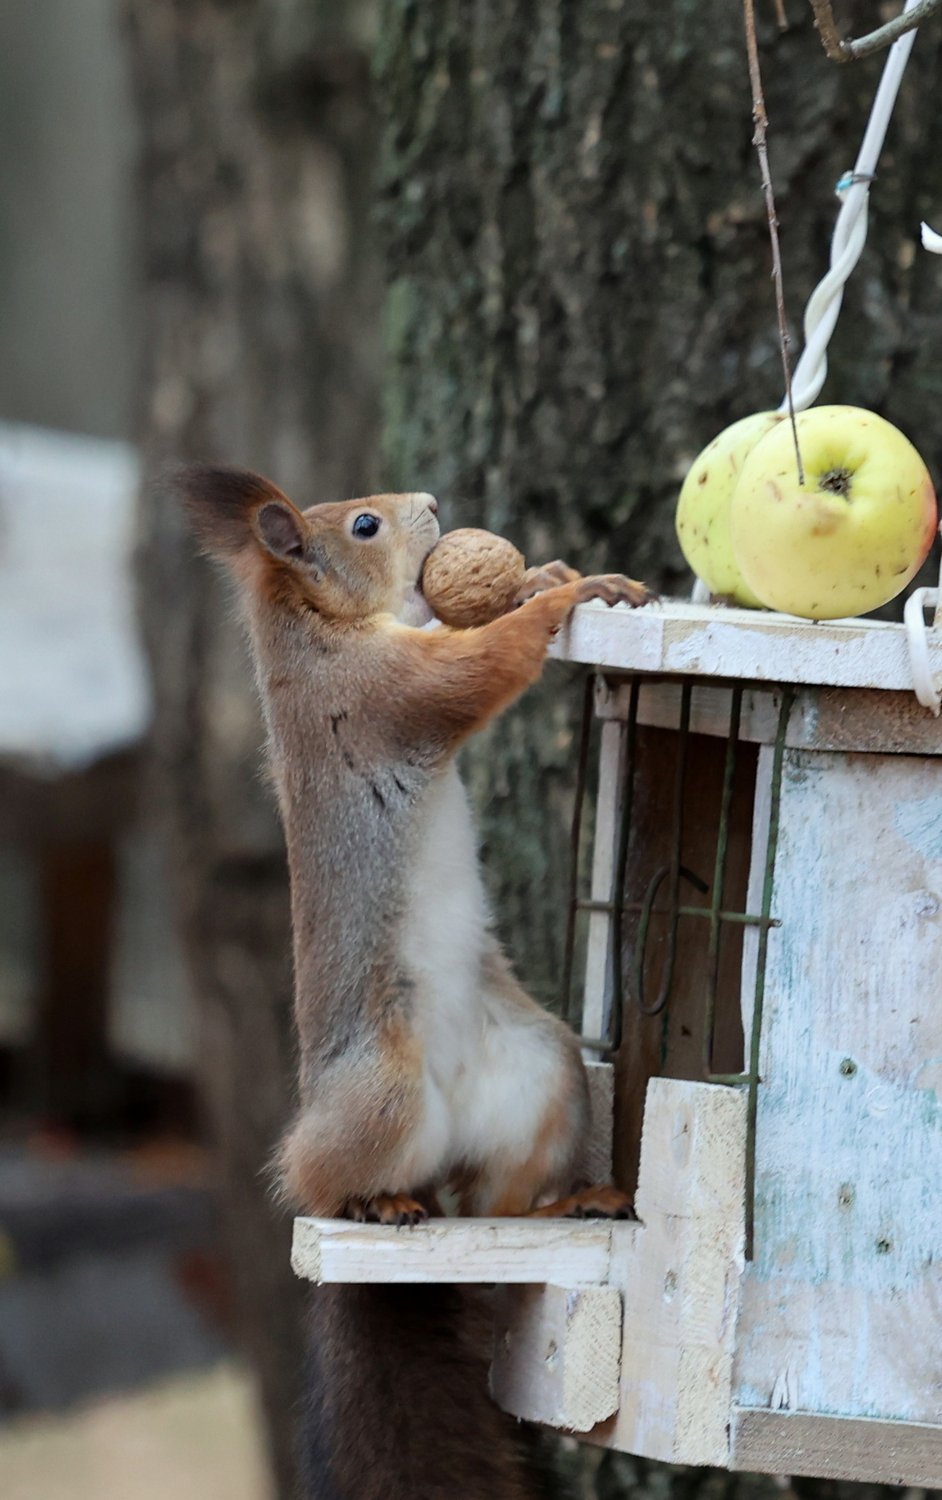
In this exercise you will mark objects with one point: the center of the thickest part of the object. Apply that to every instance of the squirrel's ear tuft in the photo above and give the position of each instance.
(280, 529)
(221, 505)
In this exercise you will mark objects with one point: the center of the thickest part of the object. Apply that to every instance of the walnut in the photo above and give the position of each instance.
(470, 577)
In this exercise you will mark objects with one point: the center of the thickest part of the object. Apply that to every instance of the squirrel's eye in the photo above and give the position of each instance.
(366, 525)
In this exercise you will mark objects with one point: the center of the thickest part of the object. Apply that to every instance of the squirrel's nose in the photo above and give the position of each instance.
(430, 501)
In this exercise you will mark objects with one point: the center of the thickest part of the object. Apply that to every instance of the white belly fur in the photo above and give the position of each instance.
(490, 1065)
(444, 931)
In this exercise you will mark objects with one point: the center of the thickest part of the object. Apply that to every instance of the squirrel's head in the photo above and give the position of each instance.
(347, 560)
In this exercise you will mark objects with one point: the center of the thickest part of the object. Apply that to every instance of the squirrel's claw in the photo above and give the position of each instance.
(386, 1208)
(615, 588)
(596, 1202)
(600, 1203)
(611, 588)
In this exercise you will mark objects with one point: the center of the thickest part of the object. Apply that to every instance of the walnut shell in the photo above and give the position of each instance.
(470, 577)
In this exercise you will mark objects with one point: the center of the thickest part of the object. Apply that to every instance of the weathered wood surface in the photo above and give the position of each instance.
(557, 1352)
(841, 1306)
(597, 1164)
(678, 1276)
(869, 719)
(677, 1273)
(774, 1442)
(599, 976)
(567, 1252)
(744, 644)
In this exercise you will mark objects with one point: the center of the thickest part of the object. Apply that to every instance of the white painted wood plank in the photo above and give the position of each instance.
(748, 645)
(773, 1442)
(869, 719)
(761, 819)
(659, 706)
(556, 1354)
(692, 1151)
(679, 1276)
(599, 979)
(568, 1252)
(840, 1309)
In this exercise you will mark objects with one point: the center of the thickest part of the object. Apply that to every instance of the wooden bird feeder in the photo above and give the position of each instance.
(762, 939)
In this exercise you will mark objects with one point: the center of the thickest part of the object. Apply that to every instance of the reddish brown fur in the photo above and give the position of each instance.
(325, 1171)
(330, 651)
(363, 712)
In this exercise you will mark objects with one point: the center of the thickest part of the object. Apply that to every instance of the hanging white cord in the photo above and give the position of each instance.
(914, 618)
(824, 305)
(850, 231)
(923, 599)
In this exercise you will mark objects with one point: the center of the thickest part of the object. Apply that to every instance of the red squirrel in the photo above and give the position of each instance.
(424, 1065)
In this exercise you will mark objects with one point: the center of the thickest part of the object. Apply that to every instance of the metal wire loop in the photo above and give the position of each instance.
(644, 922)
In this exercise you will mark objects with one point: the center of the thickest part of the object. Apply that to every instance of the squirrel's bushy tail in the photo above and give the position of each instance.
(397, 1404)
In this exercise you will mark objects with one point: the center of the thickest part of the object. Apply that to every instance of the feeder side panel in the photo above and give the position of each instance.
(841, 1305)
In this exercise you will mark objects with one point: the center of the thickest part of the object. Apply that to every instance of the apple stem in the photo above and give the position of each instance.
(836, 482)
(760, 141)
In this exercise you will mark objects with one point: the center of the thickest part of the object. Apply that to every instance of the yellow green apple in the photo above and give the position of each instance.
(703, 506)
(852, 534)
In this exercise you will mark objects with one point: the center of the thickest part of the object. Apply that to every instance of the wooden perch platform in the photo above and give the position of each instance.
(569, 1252)
(660, 1379)
(749, 645)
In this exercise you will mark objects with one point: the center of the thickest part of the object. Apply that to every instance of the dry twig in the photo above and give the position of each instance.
(760, 141)
(826, 27)
(849, 51)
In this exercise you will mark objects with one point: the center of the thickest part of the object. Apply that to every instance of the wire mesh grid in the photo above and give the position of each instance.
(662, 893)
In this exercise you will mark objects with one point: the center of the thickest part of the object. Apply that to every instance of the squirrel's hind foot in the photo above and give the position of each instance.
(590, 1203)
(386, 1208)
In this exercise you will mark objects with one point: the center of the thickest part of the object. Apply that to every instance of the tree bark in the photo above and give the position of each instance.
(579, 298)
(256, 146)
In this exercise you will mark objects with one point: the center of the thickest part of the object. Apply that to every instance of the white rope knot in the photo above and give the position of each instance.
(824, 305)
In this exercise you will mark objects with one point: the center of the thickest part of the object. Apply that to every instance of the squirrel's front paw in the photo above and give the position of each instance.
(615, 588)
(386, 1208)
(549, 576)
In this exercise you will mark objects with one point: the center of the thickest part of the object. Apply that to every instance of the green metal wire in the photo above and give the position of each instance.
(627, 771)
(674, 872)
(719, 879)
(575, 842)
(768, 885)
(742, 918)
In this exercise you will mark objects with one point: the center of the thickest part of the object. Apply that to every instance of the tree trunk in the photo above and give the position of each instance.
(256, 147)
(579, 299)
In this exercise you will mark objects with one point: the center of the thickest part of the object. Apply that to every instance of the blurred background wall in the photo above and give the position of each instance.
(113, 1279)
(69, 307)
(186, 270)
